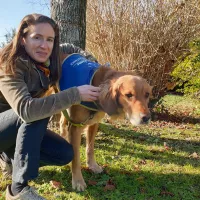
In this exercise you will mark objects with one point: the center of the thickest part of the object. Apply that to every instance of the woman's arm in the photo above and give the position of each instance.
(16, 93)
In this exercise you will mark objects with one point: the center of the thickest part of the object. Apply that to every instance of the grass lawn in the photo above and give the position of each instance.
(159, 161)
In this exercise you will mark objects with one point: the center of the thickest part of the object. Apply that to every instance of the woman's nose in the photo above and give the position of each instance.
(44, 44)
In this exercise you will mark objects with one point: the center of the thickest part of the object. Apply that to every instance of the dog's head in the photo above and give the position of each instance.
(130, 95)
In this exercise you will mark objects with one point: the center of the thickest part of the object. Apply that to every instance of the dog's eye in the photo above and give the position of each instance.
(129, 95)
(146, 95)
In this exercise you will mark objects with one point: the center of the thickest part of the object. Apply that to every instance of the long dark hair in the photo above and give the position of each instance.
(14, 49)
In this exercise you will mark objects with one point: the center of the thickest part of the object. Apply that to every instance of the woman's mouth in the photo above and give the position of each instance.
(42, 54)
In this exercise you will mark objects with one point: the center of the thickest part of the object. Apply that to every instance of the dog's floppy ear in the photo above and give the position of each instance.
(108, 99)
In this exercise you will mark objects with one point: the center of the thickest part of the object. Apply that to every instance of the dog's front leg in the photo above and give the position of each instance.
(63, 126)
(74, 137)
(90, 139)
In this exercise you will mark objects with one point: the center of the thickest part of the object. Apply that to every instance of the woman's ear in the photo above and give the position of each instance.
(22, 42)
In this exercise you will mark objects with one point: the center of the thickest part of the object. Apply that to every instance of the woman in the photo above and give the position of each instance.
(29, 65)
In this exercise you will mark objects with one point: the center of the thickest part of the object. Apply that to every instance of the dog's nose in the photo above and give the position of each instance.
(146, 118)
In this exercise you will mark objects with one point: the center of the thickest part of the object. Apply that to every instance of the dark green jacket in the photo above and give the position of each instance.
(24, 93)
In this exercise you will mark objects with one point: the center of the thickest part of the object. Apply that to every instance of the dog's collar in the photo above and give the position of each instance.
(81, 124)
(90, 105)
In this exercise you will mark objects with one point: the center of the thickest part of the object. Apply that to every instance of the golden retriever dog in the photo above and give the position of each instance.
(122, 94)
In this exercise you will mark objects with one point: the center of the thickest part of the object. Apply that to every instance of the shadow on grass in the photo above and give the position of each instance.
(167, 117)
(138, 185)
(147, 140)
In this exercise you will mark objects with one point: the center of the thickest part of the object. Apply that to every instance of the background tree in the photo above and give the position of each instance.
(8, 37)
(71, 18)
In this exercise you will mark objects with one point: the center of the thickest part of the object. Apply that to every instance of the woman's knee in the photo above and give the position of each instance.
(30, 136)
(55, 150)
(67, 155)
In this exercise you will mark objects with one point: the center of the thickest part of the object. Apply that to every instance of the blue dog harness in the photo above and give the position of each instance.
(76, 71)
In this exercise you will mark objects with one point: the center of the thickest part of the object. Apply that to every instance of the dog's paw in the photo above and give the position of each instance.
(79, 185)
(95, 168)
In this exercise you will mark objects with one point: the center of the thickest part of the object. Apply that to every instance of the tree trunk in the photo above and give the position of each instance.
(70, 15)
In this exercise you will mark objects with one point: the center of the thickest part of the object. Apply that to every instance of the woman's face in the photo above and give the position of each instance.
(39, 42)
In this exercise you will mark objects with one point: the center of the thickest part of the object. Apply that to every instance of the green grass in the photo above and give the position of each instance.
(180, 104)
(160, 161)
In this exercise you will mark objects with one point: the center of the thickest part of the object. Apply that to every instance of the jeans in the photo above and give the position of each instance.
(30, 144)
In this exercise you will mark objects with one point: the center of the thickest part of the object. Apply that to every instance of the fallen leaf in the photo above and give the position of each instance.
(166, 147)
(140, 179)
(55, 184)
(142, 190)
(166, 193)
(126, 172)
(109, 185)
(90, 182)
(136, 168)
(105, 165)
(86, 169)
(142, 162)
(194, 155)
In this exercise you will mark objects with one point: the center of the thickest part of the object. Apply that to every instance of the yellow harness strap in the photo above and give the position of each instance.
(65, 113)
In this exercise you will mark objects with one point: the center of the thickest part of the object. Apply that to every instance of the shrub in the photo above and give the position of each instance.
(187, 73)
(147, 36)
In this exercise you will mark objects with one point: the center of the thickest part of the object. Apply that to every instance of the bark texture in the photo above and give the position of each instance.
(70, 15)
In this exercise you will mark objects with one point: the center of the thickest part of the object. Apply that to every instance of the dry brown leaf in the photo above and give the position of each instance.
(166, 147)
(105, 165)
(166, 193)
(142, 162)
(140, 179)
(125, 172)
(86, 169)
(109, 185)
(55, 184)
(91, 182)
(194, 155)
(142, 190)
(136, 167)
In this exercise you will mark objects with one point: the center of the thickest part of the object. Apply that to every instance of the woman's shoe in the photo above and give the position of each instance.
(28, 193)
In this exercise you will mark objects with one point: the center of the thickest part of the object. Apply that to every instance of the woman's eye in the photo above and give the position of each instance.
(129, 95)
(146, 95)
(51, 40)
(36, 37)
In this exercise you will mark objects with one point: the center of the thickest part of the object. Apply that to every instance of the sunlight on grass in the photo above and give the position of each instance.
(160, 161)
(181, 103)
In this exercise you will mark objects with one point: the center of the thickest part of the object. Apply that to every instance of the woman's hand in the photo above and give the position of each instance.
(88, 92)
